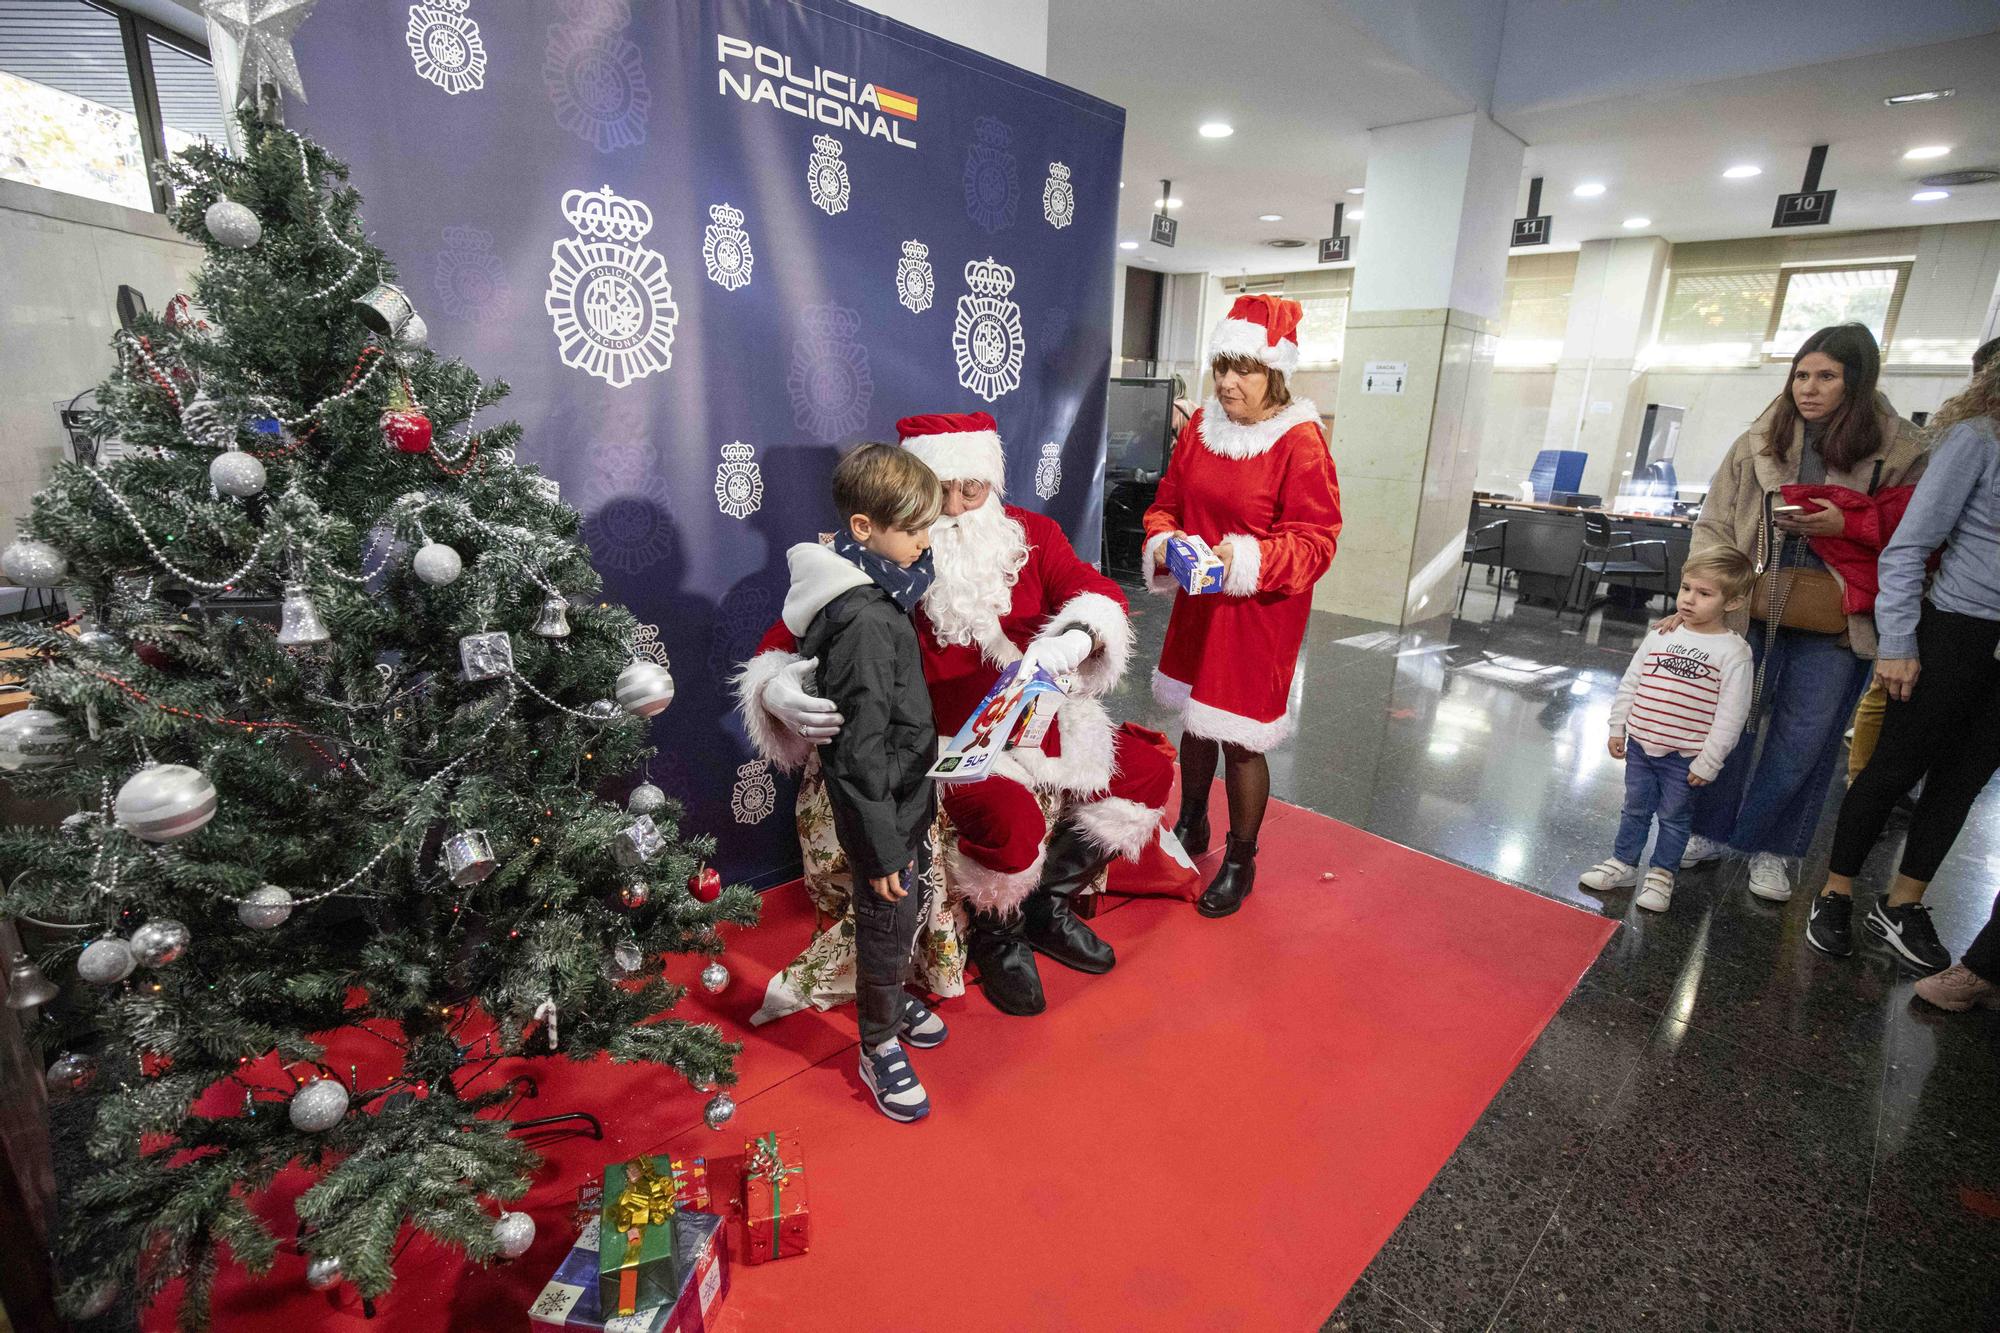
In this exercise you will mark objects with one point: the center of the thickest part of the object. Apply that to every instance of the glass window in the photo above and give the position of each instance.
(66, 116)
(1716, 318)
(1322, 329)
(190, 106)
(1812, 298)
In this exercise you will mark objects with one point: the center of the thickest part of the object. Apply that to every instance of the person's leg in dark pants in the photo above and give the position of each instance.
(1984, 955)
(1199, 756)
(885, 933)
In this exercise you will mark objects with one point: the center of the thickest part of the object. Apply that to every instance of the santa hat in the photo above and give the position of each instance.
(958, 446)
(1262, 327)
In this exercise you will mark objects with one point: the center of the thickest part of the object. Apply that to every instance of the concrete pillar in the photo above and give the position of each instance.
(1599, 400)
(1430, 272)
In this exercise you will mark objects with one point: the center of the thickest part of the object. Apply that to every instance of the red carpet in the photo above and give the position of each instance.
(1218, 1134)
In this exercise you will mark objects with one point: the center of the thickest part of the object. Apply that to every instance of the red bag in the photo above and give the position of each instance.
(1163, 870)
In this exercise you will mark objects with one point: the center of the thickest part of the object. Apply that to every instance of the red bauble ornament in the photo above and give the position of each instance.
(407, 430)
(152, 655)
(705, 885)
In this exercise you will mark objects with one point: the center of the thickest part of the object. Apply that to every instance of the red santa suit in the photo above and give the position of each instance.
(1117, 776)
(1269, 490)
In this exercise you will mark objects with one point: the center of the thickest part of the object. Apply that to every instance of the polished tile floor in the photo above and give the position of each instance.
(1721, 1129)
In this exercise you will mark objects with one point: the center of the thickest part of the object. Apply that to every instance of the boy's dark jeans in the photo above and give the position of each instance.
(885, 936)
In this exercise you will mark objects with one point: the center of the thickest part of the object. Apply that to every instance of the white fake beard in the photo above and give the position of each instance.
(978, 556)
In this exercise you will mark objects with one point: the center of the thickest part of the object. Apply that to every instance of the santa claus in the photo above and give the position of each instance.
(1009, 588)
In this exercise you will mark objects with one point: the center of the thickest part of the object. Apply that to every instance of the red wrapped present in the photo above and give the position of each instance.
(775, 1212)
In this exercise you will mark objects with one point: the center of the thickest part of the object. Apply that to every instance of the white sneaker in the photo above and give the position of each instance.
(1608, 874)
(1769, 877)
(1658, 890)
(1701, 850)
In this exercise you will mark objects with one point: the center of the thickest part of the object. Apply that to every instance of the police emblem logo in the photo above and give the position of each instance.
(594, 76)
(1058, 199)
(628, 507)
(755, 796)
(646, 643)
(826, 175)
(739, 482)
(468, 277)
(612, 306)
(445, 47)
(986, 335)
(725, 248)
(1048, 471)
(830, 382)
(992, 186)
(914, 281)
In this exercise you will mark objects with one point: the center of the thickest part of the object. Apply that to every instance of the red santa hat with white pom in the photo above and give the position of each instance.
(958, 446)
(1262, 327)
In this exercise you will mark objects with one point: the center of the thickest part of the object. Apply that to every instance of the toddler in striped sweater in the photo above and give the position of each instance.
(1680, 710)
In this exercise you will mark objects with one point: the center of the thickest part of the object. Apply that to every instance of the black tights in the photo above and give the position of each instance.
(1247, 779)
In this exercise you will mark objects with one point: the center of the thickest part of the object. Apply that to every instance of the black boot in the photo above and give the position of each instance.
(1191, 829)
(1232, 881)
(1052, 928)
(1006, 964)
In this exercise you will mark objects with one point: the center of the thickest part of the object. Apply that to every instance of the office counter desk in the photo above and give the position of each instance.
(1543, 541)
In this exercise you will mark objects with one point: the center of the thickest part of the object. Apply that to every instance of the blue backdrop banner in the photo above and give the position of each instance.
(710, 241)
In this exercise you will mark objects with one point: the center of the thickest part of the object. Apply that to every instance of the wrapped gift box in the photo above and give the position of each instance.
(569, 1301)
(690, 1189)
(1194, 564)
(775, 1212)
(638, 1266)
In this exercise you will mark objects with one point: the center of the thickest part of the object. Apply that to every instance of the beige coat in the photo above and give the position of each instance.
(1734, 507)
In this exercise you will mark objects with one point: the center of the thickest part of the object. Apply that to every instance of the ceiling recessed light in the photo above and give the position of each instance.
(1929, 196)
(1356, 215)
(1927, 152)
(1128, 245)
(1904, 99)
(1217, 129)
(1742, 172)
(1354, 189)
(1634, 224)
(1589, 190)
(1270, 217)
(1167, 203)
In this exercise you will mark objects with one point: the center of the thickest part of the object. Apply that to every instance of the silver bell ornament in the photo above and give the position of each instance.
(233, 472)
(164, 802)
(646, 799)
(159, 943)
(266, 908)
(437, 564)
(553, 622)
(232, 225)
(26, 986)
(300, 625)
(513, 1233)
(721, 1109)
(468, 857)
(34, 738)
(638, 842)
(635, 894)
(387, 310)
(72, 1072)
(318, 1105)
(714, 978)
(105, 962)
(645, 688)
(33, 564)
(323, 1273)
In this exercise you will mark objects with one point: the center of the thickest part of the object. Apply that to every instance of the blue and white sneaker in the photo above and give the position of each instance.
(886, 1071)
(920, 1027)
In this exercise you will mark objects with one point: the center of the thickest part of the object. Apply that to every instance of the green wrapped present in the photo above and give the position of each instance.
(637, 1267)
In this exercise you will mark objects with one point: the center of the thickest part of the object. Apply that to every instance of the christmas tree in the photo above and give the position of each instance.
(334, 719)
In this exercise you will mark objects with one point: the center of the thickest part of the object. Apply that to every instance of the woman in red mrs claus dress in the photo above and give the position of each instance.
(1251, 475)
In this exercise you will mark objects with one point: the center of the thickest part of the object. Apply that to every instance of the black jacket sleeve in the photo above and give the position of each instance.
(858, 672)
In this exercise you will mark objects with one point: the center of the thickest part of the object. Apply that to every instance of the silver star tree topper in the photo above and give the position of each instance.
(262, 31)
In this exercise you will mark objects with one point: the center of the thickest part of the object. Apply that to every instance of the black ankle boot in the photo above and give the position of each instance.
(1052, 928)
(997, 947)
(1191, 829)
(1232, 881)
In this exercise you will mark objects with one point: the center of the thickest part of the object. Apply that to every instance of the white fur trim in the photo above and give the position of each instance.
(1109, 624)
(1246, 562)
(1170, 693)
(1089, 750)
(1239, 337)
(768, 736)
(819, 574)
(993, 890)
(1212, 723)
(1117, 825)
(1225, 437)
(965, 455)
(1157, 580)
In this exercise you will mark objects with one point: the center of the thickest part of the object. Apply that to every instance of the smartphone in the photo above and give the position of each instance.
(1788, 509)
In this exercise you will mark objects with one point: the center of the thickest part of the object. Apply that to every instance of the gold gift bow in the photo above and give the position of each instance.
(648, 1196)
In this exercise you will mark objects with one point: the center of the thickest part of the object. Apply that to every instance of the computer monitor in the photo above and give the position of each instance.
(1139, 424)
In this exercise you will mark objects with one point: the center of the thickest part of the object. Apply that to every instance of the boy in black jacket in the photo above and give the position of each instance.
(849, 605)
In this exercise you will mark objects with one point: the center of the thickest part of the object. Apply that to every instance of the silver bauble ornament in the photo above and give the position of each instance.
(626, 958)
(646, 799)
(72, 1072)
(635, 894)
(644, 688)
(232, 225)
(721, 1109)
(714, 977)
(158, 943)
(323, 1273)
(266, 908)
(102, 1297)
(163, 802)
(236, 473)
(105, 962)
(94, 637)
(513, 1233)
(319, 1105)
(33, 564)
(437, 564)
(33, 738)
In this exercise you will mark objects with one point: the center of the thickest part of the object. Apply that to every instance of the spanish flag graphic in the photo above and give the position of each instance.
(895, 103)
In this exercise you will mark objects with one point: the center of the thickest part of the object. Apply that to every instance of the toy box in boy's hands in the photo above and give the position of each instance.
(570, 1300)
(1194, 564)
(1014, 715)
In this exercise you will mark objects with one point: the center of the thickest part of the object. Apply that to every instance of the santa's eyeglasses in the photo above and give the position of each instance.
(969, 492)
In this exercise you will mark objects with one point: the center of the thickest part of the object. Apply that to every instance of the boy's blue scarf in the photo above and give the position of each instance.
(906, 587)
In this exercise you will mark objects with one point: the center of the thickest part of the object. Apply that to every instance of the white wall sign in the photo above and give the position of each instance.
(1384, 376)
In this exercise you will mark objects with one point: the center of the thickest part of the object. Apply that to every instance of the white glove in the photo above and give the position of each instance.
(790, 699)
(1060, 655)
